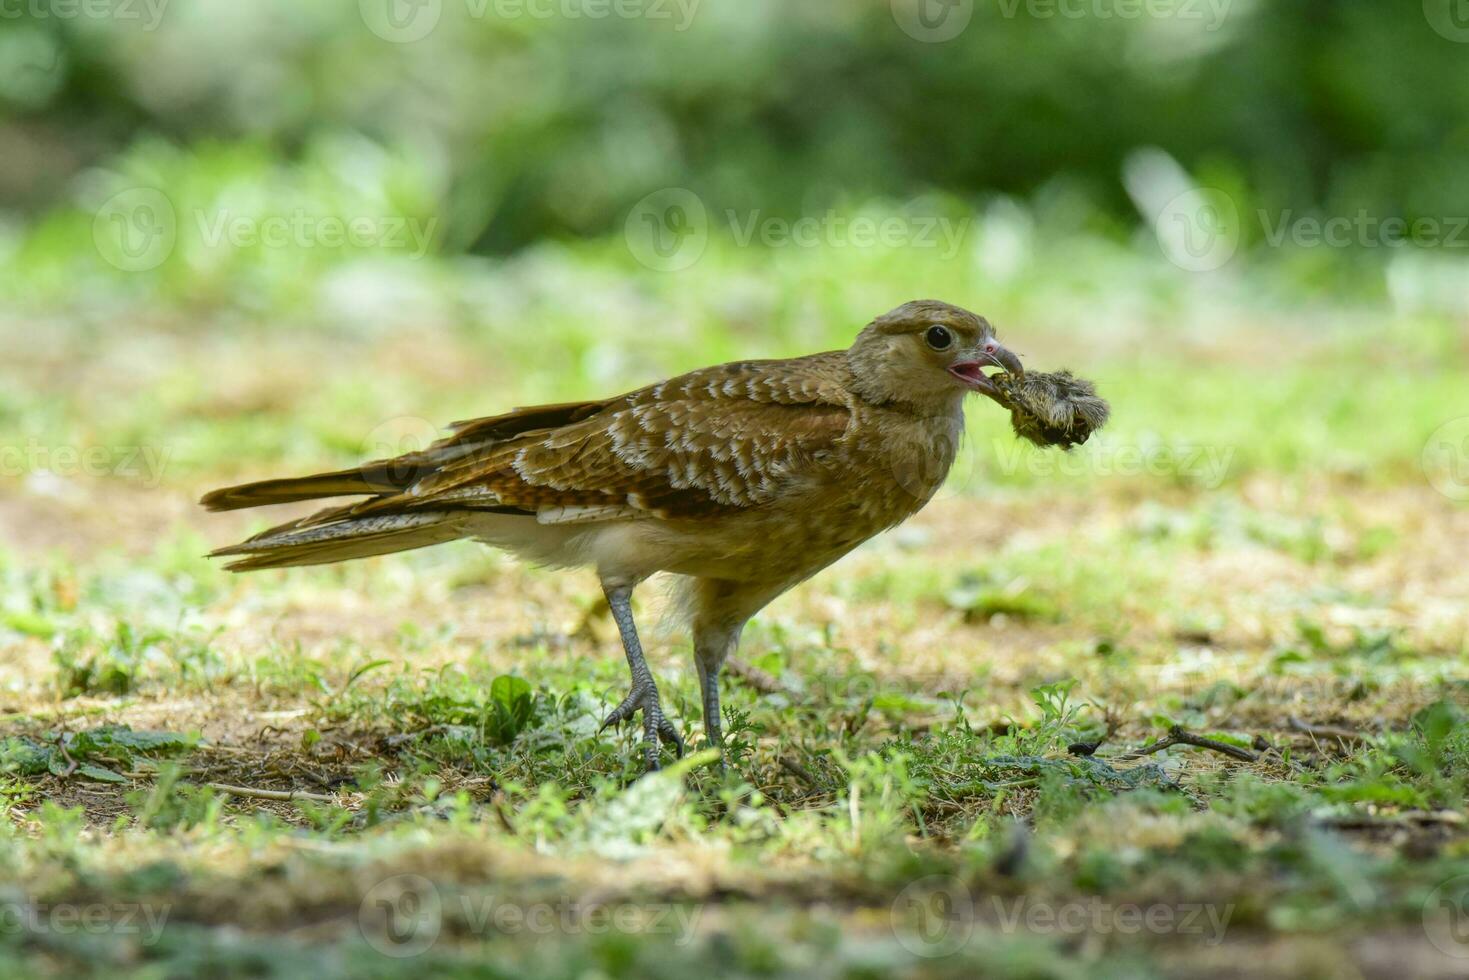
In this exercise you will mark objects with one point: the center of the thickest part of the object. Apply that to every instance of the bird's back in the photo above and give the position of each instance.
(704, 446)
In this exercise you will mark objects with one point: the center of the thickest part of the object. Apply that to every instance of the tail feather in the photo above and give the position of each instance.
(387, 521)
(294, 544)
(344, 483)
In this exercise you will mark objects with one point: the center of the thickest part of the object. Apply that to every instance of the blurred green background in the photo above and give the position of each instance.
(516, 121)
(566, 197)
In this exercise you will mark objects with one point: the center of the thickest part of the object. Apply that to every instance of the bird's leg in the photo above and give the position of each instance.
(644, 693)
(712, 645)
(709, 691)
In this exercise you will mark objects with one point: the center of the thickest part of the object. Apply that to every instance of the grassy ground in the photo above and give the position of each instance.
(933, 764)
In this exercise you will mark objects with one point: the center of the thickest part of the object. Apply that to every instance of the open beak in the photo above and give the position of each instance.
(969, 369)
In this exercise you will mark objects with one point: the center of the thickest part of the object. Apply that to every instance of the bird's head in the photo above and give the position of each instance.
(928, 352)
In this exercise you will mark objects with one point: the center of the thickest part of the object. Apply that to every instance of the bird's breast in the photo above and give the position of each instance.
(903, 459)
(879, 477)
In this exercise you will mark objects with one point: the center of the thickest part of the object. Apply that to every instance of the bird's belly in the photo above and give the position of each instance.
(788, 540)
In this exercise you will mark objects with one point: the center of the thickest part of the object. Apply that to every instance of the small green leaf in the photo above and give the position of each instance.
(29, 624)
(100, 773)
(112, 738)
(364, 669)
(23, 757)
(512, 703)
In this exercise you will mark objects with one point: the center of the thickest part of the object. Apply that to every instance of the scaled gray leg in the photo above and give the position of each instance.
(644, 693)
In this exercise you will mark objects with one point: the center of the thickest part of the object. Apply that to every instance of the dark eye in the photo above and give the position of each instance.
(939, 338)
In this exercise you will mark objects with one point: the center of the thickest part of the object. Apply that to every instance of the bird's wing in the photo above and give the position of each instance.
(709, 442)
(391, 476)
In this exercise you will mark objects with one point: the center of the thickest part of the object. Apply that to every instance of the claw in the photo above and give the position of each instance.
(624, 711)
(656, 728)
(669, 735)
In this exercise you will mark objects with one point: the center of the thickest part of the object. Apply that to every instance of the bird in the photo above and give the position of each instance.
(740, 480)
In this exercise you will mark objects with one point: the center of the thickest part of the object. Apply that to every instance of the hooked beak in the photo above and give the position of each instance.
(969, 369)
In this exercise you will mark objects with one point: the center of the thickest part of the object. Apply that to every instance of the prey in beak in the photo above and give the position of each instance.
(969, 369)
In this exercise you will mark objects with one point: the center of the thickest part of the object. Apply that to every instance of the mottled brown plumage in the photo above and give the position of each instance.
(743, 478)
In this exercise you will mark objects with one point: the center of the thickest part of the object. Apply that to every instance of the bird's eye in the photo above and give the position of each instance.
(939, 338)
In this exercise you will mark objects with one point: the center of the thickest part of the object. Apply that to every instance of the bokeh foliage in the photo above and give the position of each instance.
(533, 126)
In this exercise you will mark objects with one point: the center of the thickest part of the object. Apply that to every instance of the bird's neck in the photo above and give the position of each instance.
(869, 380)
(924, 404)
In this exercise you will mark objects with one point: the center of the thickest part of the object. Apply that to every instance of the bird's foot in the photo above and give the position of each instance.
(657, 729)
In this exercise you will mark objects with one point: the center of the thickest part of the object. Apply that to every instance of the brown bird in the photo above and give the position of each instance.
(743, 479)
